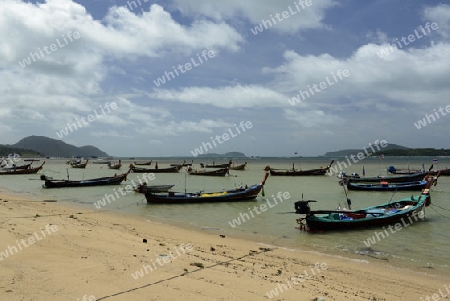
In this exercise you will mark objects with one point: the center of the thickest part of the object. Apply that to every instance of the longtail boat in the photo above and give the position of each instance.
(115, 166)
(215, 173)
(143, 163)
(386, 186)
(182, 164)
(23, 171)
(296, 172)
(114, 180)
(234, 195)
(389, 213)
(79, 165)
(391, 179)
(171, 169)
(239, 167)
(14, 167)
(408, 171)
(224, 165)
(143, 188)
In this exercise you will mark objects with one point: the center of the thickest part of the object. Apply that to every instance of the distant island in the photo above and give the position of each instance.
(393, 150)
(41, 146)
(226, 155)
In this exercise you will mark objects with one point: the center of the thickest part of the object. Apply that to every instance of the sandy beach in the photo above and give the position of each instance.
(51, 251)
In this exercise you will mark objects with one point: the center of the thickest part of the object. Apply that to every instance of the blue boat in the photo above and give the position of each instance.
(386, 186)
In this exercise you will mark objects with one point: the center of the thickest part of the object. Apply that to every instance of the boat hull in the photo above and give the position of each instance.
(235, 195)
(408, 186)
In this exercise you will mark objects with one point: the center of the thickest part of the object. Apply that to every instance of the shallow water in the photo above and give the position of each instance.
(423, 245)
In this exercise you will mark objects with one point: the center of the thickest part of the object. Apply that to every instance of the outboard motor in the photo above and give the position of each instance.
(302, 207)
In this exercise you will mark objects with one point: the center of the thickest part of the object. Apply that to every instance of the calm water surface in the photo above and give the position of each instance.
(423, 245)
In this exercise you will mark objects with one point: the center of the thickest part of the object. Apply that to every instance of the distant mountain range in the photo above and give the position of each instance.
(39, 146)
(392, 150)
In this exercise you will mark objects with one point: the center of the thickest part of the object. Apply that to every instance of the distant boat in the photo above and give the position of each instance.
(114, 180)
(408, 171)
(295, 172)
(143, 163)
(376, 216)
(224, 165)
(101, 161)
(143, 188)
(115, 166)
(239, 167)
(386, 186)
(182, 164)
(222, 172)
(22, 171)
(79, 165)
(172, 169)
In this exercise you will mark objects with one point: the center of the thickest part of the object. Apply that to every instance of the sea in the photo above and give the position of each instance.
(422, 245)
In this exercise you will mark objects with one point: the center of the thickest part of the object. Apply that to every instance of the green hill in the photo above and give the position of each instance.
(57, 148)
(348, 152)
(6, 150)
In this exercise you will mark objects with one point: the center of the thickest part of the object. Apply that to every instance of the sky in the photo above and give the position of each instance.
(266, 78)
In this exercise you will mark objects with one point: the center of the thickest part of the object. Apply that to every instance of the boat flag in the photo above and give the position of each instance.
(435, 161)
(382, 157)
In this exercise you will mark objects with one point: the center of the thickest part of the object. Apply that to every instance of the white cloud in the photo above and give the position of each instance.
(306, 17)
(225, 97)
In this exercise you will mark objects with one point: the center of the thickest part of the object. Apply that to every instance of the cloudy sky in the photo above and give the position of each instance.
(67, 61)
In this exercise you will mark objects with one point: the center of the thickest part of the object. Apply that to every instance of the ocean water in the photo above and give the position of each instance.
(423, 245)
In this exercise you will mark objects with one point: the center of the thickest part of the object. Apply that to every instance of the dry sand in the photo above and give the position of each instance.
(91, 255)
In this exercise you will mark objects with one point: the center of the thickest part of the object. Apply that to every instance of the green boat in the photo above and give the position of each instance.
(401, 211)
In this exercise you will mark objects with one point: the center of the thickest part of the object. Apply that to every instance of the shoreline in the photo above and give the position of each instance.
(95, 254)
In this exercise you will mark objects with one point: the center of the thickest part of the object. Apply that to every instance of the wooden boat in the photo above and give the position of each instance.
(295, 172)
(79, 165)
(408, 171)
(115, 166)
(239, 167)
(234, 195)
(73, 161)
(442, 172)
(386, 186)
(143, 188)
(225, 165)
(385, 214)
(23, 171)
(171, 169)
(391, 179)
(101, 161)
(114, 180)
(143, 163)
(215, 173)
(14, 167)
(182, 164)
